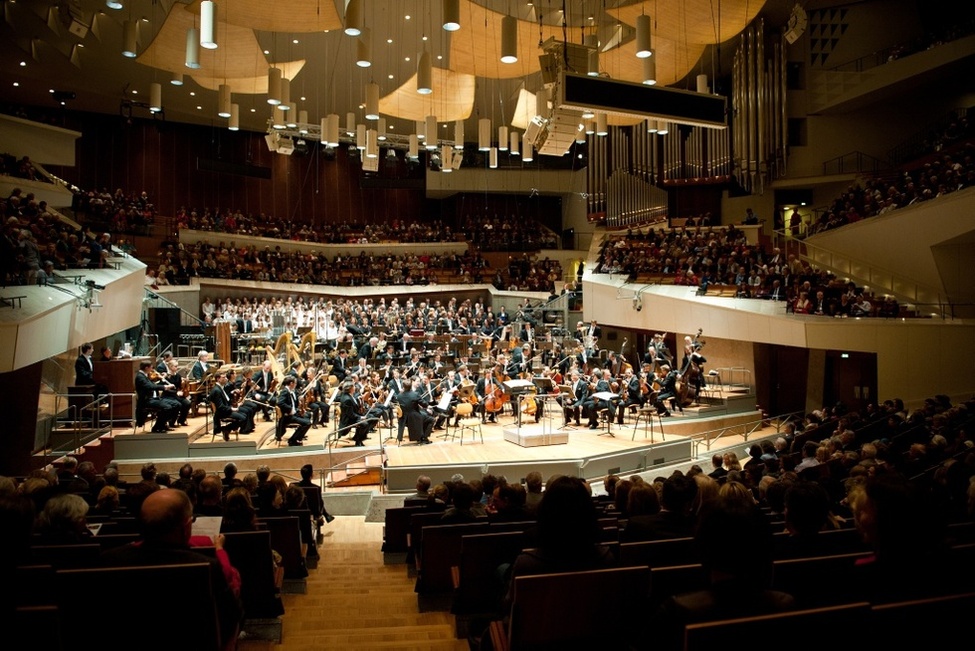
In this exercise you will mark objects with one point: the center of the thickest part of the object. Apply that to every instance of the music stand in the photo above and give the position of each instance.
(516, 388)
(607, 396)
(565, 393)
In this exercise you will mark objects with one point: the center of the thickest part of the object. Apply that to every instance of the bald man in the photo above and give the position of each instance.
(166, 521)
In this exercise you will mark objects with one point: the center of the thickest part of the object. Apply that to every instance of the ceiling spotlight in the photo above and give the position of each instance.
(113, 4)
(155, 97)
(363, 49)
(192, 48)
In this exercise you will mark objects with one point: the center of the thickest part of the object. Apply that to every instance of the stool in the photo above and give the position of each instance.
(647, 414)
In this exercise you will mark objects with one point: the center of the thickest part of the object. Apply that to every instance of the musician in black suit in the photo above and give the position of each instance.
(485, 387)
(199, 369)
(351, 415)
(668, 391)
(146, 391)
(162, 363)
(340, 368)
(174, 388)
(222, 409)
(84, 368)
(592, 405)
(263, 387)
(287, 401)
(317, 397)
(419, 422)
(573, 404)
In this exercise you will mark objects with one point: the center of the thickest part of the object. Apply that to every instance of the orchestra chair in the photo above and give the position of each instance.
(278, 427)
(468, 421)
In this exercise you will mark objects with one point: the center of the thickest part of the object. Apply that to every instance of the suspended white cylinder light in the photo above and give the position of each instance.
(208, 25)
(581, 133)
(353, 18)
(483, 134)
(503, 138)
(424, 74)
(509, 39)
(590, 126)
(303, 121)
(332, 129)
(274, 86)
(662, 128)
(113, 4)
(155, 97)
(592, 61)
(360, 137)
(285, 94)
(192, 48)
(234, 123)
(323, 129)
(702, 84)
(650, 71)
(372, 143)
(420, 129)
(350, 123)
(291, 118)
(372, 101)
(446, 158)
(643, 37)
(277, 118)
(459, 134)
(451, 15)
(414, 151)
(601, 125)
(430, 130)
(493, 158)
(651, 125)
(527, 152)
(515, 146)
(177, 79)
(223, 103)
(381, 129)
(130, 37)
(363, 49)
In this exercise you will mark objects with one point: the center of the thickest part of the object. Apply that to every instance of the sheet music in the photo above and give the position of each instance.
(444, 403)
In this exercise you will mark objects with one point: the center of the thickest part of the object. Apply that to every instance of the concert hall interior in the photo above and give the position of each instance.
(480, 239)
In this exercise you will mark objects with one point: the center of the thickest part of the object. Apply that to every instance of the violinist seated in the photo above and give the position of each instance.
(632, 392)
(352, 416)
(374, 395)
(572, 404)
(449, 385)
(315, 397)
(175, 391)
(240, 391)
(226, 419)
(146, 398)
(287, 402)
(264, 383)
(592, 406)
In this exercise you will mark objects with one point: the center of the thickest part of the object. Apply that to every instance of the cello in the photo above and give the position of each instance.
(494, 402)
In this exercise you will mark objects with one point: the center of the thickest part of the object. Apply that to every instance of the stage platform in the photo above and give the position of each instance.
(589, 453)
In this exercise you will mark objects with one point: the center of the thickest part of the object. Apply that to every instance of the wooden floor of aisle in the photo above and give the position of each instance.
(356, 602)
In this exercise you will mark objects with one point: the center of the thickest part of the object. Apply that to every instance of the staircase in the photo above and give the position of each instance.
(364, 471)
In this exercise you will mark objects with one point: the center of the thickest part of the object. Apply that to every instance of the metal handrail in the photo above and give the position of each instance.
(746, 429)
(875, 277)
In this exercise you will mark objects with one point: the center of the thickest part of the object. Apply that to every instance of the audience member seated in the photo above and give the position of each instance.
(735, 543)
